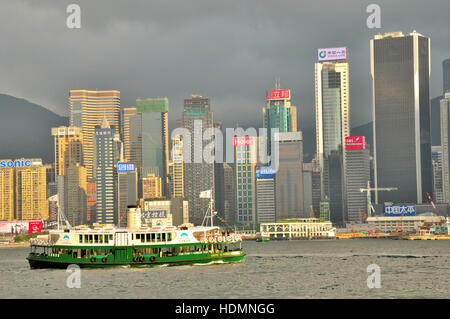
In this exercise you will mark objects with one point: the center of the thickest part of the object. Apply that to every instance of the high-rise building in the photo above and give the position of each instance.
(307, 189)
(436, 157)
(107, 155)
(75, 189)
(446, 73)
(87, 110)
(68, 147)
(131, 132)
(176, 168)
(127, 192)
(91, 201)
(265, 194)
(30, 191)
(198, 174)
(278, 113)
(154, 138)
(228, 197)
(289, 176)
(151, 187)
(332, 98)
(357, 159)
(445, 147)
(6, 193)
(245, 160)
(400, 68)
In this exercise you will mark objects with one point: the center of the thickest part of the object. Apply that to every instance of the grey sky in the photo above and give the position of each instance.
(230, 51)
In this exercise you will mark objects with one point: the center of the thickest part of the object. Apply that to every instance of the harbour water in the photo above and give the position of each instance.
(276, 269)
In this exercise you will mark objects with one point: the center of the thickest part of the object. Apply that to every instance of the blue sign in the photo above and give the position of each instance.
(265, 172)
(125, 167)
(400, 210)
(155, 214)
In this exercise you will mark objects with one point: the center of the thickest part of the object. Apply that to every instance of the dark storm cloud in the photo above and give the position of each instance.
(230, 51)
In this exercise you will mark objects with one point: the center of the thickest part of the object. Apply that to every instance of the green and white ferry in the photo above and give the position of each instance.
(145, 246)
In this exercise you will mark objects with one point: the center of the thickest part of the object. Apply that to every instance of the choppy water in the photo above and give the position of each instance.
(277, 269)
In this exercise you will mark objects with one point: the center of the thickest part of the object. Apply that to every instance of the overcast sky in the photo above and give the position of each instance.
(230, 51)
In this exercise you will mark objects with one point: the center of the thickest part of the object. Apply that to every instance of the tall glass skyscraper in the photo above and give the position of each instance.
(446, 72)
(400, 68)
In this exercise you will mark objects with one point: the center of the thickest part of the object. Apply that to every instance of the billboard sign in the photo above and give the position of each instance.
(125, 167)
(20, 227)
(278, 94)
(329, 54)
(265, 172)
(355, 143)
(400, 210)
(154, 214)
(244, 140)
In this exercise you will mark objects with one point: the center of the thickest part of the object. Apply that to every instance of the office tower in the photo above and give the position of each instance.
(154, 137)
(30, 191)
(60, 192)
(131, 132)
(307, 189)
(50, 173)
(176, 168)
(107, 154)
(265, 194)
(445, 147)
(316, 187)
(75, 189)
(198, 175)
(68, 147)
(289, 176)
(332, 94)
(245, 157)
(228, 201)
(87, 110)
(6, 193)
(357, 160)
(400, 68)
(91, 201)
(151, 187)
(446, 73)
(436, 158)
(127, 189)
(278, 113)
(336, 185)
(219, 182)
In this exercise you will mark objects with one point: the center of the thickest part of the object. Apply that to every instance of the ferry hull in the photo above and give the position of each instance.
(53, 262)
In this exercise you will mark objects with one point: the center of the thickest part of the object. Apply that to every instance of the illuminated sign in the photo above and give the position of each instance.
(16, 163)
(265, 172)
(125, 167)
(278, 94)
(355, 143)
(155, 214)
(332, 54)
(244, 140)
(400, 210)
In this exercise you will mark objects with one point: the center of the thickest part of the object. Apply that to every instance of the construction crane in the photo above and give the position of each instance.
(370, 189)
(312, 211)
(432, 204)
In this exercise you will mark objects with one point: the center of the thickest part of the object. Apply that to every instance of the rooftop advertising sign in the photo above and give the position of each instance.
(278, 94)
(155, 214)
(329, 54)
(265, 172)
(244, 140)
(400, 210)
(125, 167)
(355, 143)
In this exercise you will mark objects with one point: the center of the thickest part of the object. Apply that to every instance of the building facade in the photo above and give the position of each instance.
(446, 73)
(68, 148)
(436, 157)
(445, 147)
(265, 194)
(400, 69)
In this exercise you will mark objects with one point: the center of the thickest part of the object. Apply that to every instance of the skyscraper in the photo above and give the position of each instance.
(87, 110)
(151, 187)
(6, 193)
(130, 134)
(332, 97)
(107, 154)
(265, 194)
(68, 148)
(176, 168)
(289, 176)
(436, 157)
(445, 147)
(245, 156)
(278, 113)
(30, 191)
(446, 73)
(357, 159)
(154, 138)
(75, 194)
(400, 68)
(198, 176)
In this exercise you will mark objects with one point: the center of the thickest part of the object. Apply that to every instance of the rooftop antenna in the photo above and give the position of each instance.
(277, 83)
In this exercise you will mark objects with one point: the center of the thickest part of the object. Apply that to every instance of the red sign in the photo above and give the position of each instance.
(245, 140)
(355, 143)
(34, 227)
(278, 94)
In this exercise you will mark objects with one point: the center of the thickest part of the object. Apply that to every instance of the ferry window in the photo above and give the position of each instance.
(95, 238)
(169, 236)
(81, 238)
(148, 238)
(110, 237)
(163, 236)
(90, 239)
(138, 236)
(153, 237)
(158, 237)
